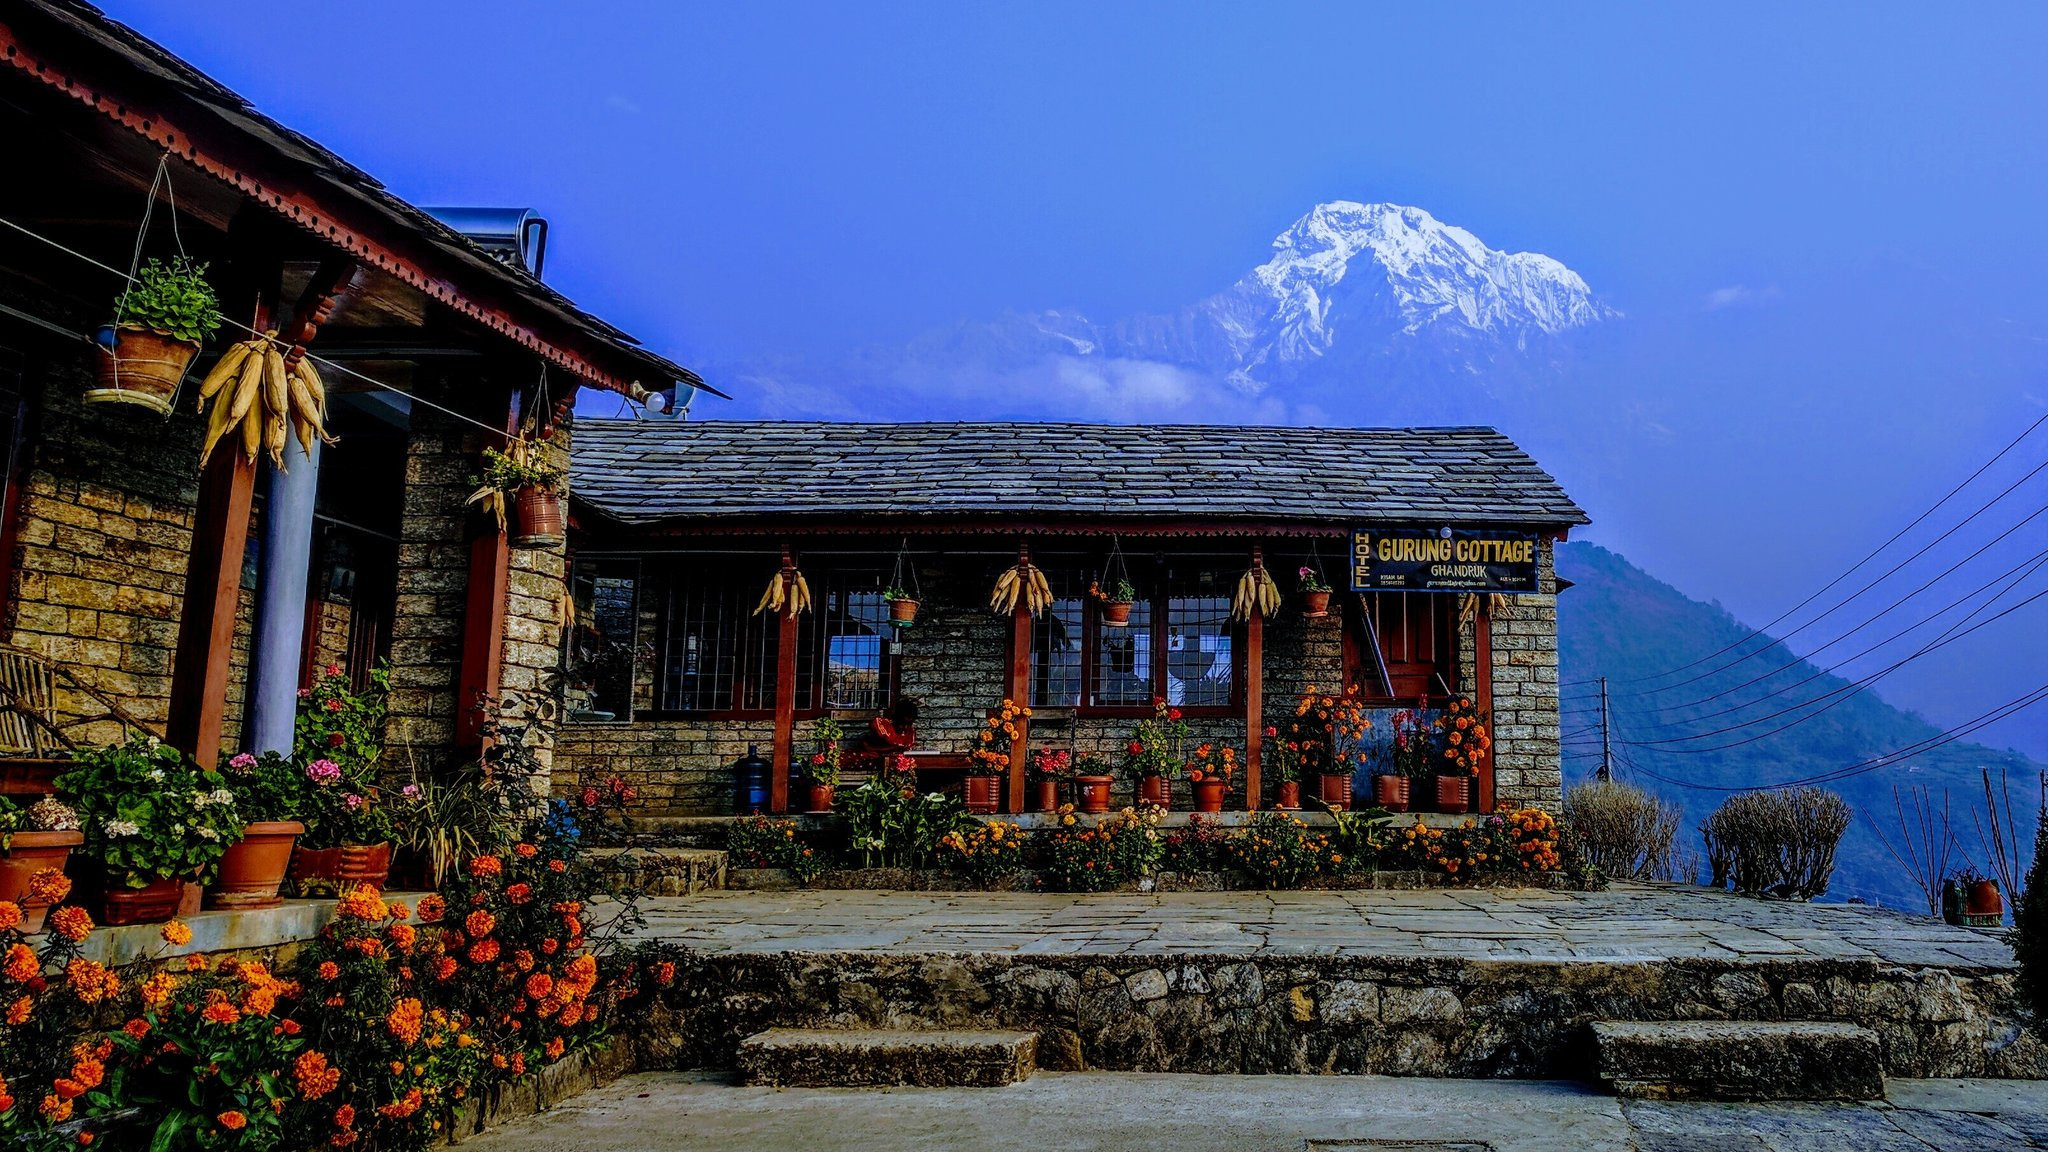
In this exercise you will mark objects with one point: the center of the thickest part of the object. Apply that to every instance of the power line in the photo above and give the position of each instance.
(1872, 555)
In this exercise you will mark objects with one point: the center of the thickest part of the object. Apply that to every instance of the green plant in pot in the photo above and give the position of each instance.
(339, 743)
(902, 606)
(34, 839)
(1153, 754)
(153, 821)
(1117, 599)
(160, 323)
(820, 767)
(271, 791)
(536, 490)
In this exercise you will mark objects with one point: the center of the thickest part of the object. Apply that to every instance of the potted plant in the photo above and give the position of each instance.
(1153, 754)
(1093, 777)
(1462, 742)
(1049, 766)
(1326, 739)
(153, 821)
(989, 762)
(902, 606)
(269, 792)
(1209, 776)
(1116, 602)
(35, 839)
(1285, 761)
(536, 490)
(159, 324)
(1315, 594)
(1407, 756)
(340, 742)
(821, 767)
(1981, 897)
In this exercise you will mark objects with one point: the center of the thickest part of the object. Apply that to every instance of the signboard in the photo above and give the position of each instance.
(1418, 559)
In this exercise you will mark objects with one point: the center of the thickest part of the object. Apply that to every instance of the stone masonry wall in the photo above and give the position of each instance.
(1525, 711)
(538, 582)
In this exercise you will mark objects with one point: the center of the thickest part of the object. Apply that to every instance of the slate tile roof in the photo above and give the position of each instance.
(648, 472)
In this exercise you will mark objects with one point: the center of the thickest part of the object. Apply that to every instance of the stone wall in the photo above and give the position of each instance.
(955, 661)
(1320, 1014)
(533, 622)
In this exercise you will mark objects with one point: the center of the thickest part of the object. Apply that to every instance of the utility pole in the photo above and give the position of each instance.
(1606, 772)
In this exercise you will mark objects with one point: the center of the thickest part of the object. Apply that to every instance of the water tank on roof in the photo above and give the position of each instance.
(518, 236)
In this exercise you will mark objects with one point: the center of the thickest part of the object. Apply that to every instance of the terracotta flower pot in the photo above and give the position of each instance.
(1453, 793)
(1115, 615)
(254, 868)
(1156, 791)
(1982, 898)
(1209, 794)
(539, 517)
(27, 854)
(348, 866)
(902, 612)
(1390, 792)
(142, 368)
(1315, 605)
(152, 904)
(984, 794)
(1045, 795)
(1337, 790)
(1094, 793)
(1287, 795)
(818, 797)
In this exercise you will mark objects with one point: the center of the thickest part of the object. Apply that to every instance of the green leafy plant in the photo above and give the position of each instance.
(896, 827)
(443, 820)
(894, 592)
(821, 767)
(509, 472)
(1154, 748)
(150, 814)
(1279, 850)
(1122, 849)
(1361, 835)
(1312, 580)
(986, 853)
(267, 786)
(340, 740)
(1120, 591)
(765, 842)
(173, 299)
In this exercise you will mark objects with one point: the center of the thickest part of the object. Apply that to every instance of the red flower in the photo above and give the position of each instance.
(1136, 748)
(336, 739)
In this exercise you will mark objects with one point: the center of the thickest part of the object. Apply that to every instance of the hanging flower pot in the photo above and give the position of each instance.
(160, 323)
(1315, 591)
(1209, 794)
(1156, 791)
(1453, 793)
(984, 794)
(902, 611)
(1390, 792)
(539, 512)
(1315, 605)
(1337, 790)
(1116, 614)
(1287, 795)
(253, 868)
(1094, 793)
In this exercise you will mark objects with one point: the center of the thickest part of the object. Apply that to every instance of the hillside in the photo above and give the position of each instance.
(1620, 622)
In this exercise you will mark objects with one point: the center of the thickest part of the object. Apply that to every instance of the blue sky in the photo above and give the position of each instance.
(1827, 225)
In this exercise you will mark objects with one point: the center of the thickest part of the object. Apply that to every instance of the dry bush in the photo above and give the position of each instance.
(1624, 831)
(1776, 843)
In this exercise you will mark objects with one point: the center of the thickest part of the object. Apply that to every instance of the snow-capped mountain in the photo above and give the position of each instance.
(1378, 279)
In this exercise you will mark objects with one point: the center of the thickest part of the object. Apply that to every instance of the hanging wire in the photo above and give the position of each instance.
(162, 180)
(237, 324)
(905, 565)
(1114, 564)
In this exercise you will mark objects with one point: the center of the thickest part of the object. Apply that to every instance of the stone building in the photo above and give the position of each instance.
(680, 527)
(195, 603)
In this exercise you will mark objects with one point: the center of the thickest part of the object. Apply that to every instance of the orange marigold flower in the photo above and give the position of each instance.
(479, 923)
(48, 887)
(403, 936)
(329, 970)
(195, 963)
(539, 985)
(558, 866)
(157, 990)
(345, 1116)
(519, 893)
(523, 960)
(177, 932)
(315, 1076)
(431, 908)
(66, 1088)
(483, 951)
(398, 910)
(71, 922)
(362, 903)
(22, 965)
(10, 915)
(55, 1109)
(554, 1048)
(402, 1107)
(444, 967)
(525, 851)
(404, 1020)
(89, 1072)
(137, 1028)
(87, 978)
(18, 1013)
(486, 866)
(219, 1011)
(232, 1120)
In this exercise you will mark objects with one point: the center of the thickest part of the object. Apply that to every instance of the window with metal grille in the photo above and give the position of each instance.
(1201, 665)
(1056, 644)
(603, 642)
(857, 643)
(716, 656)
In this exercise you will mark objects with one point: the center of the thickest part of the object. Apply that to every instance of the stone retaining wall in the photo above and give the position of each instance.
(1380, 1015)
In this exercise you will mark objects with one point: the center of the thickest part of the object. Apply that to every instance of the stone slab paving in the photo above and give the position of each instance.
(1123, 1112)
(1626, 923)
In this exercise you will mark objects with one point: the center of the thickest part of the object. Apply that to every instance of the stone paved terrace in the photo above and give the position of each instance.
(1626, 923)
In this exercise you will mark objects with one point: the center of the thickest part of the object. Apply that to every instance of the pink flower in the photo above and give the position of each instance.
(410, 791)
(323, 772)
(333, 705)
(352, 802)
(305, 693)
(242, 762)
(334, 669)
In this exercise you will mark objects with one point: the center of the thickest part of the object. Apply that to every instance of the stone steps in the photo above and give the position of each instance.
(1740, 1060)
(668, 871)
(876, 1058)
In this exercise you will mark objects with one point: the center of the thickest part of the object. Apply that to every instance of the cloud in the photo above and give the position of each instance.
(1742, 296)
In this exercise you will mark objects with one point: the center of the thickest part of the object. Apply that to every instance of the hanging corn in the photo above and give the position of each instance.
(264, 401)
(1256, 592)
(788, 592)
(1025, 580)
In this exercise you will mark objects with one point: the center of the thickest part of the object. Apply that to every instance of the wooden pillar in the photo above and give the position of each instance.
(483, 615)
(1482, 692)
(1019, 690)
(785, 697)
(213, 589)
(1254, 690)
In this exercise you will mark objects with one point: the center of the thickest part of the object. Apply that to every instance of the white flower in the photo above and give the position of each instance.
(156, 774)
(118, 828)
(207, 833)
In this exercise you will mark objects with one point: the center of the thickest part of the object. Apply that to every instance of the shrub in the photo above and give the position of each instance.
(2029, 934)
(1122, 849)
(1278, 850)
(984, 852)
(149, 814)
(1201, 846)
(763, 842)
(1776, 843)
(895, 826)
(1623, 831)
